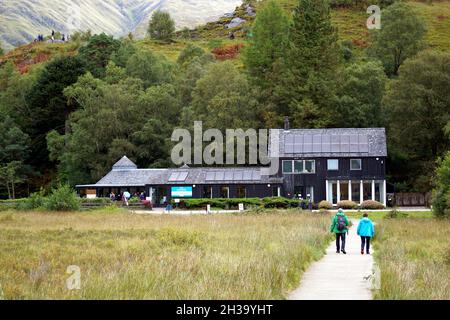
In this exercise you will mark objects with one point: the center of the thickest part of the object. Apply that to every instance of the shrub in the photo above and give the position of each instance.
(394, 214)
(441, 194)
(276, 202)
(325, 205)
(62, 198)
(134, 200)
(96, 200)
(227, 52)
(232, 203)
(372, 205)
(35, 201)
(347, 204)
(441, 203)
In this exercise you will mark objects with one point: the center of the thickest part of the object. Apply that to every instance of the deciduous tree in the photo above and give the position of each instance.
(97, 53)
(399, 38)
(418, 104)
(161, 26)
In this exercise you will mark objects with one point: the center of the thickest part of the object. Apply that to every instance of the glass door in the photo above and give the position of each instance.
(332, 192)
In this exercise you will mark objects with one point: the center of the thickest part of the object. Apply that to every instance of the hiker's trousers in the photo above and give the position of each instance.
(365, 242)
(340, 242)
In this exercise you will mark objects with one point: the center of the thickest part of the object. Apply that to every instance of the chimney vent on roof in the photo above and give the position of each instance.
(287, 125)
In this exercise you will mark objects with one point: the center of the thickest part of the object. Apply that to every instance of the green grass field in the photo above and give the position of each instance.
(414, 259)
(379, 215)
(124, 256)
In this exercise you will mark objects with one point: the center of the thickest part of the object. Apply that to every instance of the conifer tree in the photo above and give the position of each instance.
(268, 43)
(310, 64)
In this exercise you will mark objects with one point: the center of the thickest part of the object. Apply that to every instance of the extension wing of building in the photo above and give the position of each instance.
(320, 164)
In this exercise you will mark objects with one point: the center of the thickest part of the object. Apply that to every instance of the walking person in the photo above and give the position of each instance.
(339, 226)
(366, 231)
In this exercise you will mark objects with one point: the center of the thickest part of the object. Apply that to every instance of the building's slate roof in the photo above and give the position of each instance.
(309, 143)
(143, 177)
(124, 164)
(131, 177)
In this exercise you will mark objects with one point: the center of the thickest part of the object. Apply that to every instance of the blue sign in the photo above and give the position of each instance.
(181, 192)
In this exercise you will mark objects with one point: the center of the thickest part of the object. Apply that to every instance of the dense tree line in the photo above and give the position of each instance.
(70, 119)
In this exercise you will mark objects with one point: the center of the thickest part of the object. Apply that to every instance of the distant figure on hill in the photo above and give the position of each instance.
(63, 38)
(366, 231)
(231, 36)
(339, 226)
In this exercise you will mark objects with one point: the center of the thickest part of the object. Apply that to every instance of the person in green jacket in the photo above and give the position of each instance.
(339, 226)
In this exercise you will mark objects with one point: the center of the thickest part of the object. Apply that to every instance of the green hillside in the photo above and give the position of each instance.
(351, 24)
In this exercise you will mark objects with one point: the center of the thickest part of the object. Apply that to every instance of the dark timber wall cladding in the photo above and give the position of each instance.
(372, 169)
(252, 190)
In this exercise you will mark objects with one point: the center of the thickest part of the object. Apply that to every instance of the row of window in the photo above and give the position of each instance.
(309, 166)
(241, 192)
(224, 192)
(333, 164)
(299, 166)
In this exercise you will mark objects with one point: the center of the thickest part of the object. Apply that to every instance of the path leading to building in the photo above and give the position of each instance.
(338, 276)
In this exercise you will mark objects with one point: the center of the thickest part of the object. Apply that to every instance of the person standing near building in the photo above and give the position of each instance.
(366, 231)
(126, 197)
(339, 226)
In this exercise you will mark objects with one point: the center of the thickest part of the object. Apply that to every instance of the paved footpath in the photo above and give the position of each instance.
(338, 276)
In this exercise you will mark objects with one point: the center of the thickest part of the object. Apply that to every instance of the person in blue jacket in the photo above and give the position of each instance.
(366, 231)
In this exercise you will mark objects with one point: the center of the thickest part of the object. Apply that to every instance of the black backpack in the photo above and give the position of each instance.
(341, 223)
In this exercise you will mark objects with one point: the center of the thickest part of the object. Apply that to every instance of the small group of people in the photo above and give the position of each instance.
(340, 225)
(126, 196)
(41, 38)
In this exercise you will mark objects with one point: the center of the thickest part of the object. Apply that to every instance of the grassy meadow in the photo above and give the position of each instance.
(414, 259)
(126, 256)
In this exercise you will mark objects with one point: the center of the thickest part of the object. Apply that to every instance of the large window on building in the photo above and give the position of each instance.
(356, 188)
(287, 166)
(310, 166)
(241, 192)
(355, 164)
(224, 192)
(310, 193)
(276, 191)
(207, 192)
(367, 190)
(299, 166)
(378, 187)
(333, 164)
(333, 193)
(344, 190)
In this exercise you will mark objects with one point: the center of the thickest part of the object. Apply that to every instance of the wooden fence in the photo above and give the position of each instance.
(412, 199)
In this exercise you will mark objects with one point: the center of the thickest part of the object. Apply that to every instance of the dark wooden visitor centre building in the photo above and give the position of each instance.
(319, 164)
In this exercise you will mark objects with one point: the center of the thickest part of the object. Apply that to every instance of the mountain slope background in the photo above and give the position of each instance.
(22, 20)
(351, 24)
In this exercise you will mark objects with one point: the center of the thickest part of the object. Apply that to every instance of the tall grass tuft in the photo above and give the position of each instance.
(125, 256)
(414, 259)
